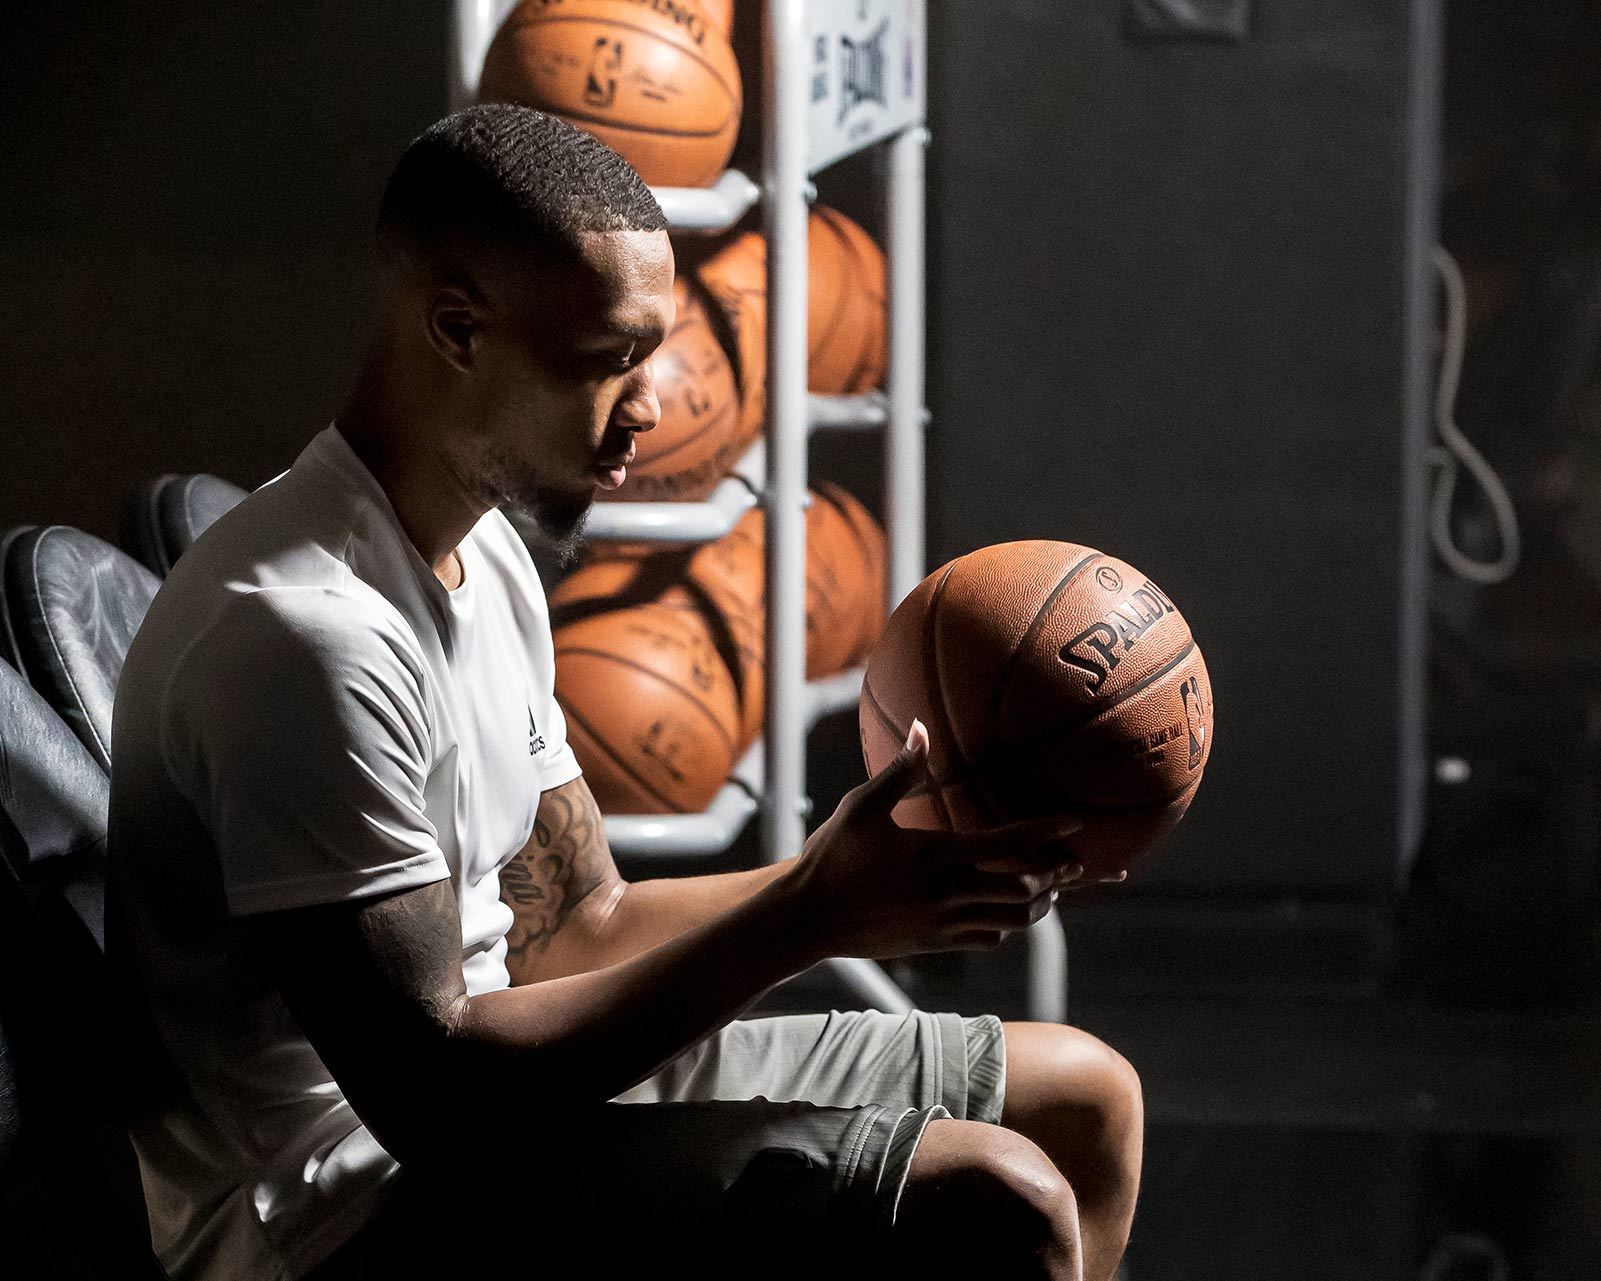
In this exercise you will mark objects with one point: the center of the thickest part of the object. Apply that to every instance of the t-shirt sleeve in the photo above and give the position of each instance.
(560, 765)
(298, 726)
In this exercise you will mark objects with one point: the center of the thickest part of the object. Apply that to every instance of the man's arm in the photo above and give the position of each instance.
(573, 913)
(377, 986)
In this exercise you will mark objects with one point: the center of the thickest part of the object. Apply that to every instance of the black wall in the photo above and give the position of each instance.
(184, 227)
(1171, 277)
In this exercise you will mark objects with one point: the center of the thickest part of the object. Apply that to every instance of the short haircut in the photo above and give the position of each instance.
(503, 177)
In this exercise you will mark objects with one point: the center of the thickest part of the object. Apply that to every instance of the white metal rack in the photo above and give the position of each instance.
(770, 780)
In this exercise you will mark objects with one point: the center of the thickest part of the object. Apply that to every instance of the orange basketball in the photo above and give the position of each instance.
(656, 82)
(700, 435)
(731, 575)
(720, 13)
(845, 336)
(733, 627)
(1053, 679)
(650, 709)
(846, 329)
(844, 591)
(723, 584)
(736, 278)
(844, 581)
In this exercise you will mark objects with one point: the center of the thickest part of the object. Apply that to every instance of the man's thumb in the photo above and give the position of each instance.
(886, 789)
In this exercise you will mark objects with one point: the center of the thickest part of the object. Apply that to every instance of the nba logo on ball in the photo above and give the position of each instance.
(652, 79)
(600, 86)
(1190, 692)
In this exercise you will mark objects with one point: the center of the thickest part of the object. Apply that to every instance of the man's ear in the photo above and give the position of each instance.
(451, 323)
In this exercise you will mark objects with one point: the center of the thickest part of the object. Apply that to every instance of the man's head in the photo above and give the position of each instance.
(528, 278)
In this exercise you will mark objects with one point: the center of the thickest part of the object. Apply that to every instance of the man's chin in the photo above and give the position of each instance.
(560, 519)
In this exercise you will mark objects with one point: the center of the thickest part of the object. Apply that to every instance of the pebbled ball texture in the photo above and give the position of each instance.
(1052, 679)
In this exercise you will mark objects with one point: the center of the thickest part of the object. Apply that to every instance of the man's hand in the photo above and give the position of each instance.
(879, 890)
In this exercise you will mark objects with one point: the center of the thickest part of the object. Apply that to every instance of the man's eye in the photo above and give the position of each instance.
(616, 362)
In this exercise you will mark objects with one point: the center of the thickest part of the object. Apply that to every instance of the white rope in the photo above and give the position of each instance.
(1456, 450)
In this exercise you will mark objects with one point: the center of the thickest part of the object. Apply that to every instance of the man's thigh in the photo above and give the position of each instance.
(735, 1188)
(844, 1059)
(778, 1147)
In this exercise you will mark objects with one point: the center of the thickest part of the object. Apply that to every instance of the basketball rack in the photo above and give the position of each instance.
(840, 76)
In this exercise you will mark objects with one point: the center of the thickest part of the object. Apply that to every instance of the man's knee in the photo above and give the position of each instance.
(1122, 1097)
(1073, 1086)
(988, 1192)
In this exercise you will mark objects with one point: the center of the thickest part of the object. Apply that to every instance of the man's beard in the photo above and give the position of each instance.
(557, 515)
(560, 519)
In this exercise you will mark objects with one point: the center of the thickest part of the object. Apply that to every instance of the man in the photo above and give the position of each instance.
(368, 894)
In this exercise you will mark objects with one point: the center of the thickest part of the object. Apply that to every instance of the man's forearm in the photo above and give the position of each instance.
(646, 913)
(595, 1034)
(622, 919)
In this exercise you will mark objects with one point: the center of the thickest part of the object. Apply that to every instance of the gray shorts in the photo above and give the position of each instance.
(874, 1081)
(783, 1142)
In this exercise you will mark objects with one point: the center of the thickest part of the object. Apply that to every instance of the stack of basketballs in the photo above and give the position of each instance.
(660, 653)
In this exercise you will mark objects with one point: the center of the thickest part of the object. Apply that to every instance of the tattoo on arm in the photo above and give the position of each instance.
(565, 860)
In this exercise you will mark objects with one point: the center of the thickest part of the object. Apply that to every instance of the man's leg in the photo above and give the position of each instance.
(1080, 1101)
(982, 1201)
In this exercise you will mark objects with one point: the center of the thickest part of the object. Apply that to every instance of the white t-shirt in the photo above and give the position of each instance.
(307, 715)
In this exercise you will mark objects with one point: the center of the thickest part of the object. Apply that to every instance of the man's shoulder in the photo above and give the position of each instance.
(296, 529)
(285, 634)
(300, 671)
(255, 610)
(281, 562)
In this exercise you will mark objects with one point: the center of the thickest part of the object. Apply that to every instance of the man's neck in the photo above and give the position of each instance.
(435, 509)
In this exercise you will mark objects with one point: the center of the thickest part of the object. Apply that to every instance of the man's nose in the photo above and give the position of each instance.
(639, 409)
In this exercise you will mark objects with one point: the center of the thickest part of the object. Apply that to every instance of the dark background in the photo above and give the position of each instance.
(1177, 329)
(1177, 310)
(188, 201)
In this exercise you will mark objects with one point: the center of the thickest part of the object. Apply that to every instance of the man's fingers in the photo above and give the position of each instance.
(978, 940)
(1007, 916)
(1068, 870)
(887, 788)
(1022, 886)
(1034, 843)
(1026, 847)
(1026, 831)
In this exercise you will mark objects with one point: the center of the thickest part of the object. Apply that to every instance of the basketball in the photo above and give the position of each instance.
(722, 584)
(733, 625)
(736, 278)
(845, 334)
(846, 322)
(844, 592)
(650, 709)
(730, 577)
(700, 435)
(1052, 679)
(844, 582)
(720, 13)
(656, 83)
